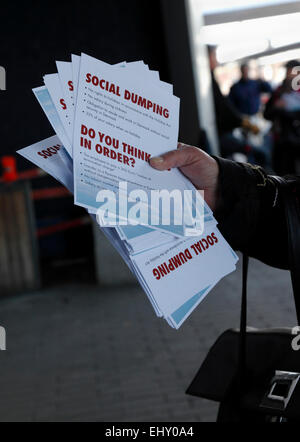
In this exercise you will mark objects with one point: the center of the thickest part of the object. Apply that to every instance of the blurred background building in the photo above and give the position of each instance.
(49, 247)
(262, 40)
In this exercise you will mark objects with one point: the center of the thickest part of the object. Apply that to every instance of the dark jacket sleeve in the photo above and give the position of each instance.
(251, 214)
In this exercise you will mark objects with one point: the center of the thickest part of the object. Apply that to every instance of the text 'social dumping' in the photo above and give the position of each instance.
(185, 256)
(129, 96)
(50, 151)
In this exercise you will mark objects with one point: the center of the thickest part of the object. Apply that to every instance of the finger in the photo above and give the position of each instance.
(183, 156)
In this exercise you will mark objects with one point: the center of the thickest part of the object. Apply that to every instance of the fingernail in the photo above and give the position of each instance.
(158, 159)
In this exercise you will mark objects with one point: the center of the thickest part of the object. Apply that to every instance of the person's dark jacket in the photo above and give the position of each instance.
(285, 132)
(250, 212)
(227, 117)
(278, 114)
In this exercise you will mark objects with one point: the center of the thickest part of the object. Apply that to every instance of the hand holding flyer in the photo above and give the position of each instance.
(120, 122)
(109, 121)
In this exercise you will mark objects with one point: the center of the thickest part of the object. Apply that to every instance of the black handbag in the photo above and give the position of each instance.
(255, 374)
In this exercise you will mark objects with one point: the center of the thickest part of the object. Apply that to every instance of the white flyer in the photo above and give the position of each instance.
(53, 84)
(121, 121)
(49, 156)
(65, 73)
(173, 273)
(46, 103)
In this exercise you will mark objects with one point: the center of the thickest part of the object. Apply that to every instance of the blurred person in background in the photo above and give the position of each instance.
(245, 94)
(227, 119)
(283, 109)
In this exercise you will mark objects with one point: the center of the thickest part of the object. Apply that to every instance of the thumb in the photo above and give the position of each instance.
(184, 156)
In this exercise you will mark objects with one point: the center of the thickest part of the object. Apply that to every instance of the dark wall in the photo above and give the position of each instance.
(33, 34)
(181, 70)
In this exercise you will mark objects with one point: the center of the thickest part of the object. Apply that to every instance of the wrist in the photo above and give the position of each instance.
(236, 182)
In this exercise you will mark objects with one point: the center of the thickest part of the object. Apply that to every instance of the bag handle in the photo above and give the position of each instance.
(243, 327)
(293, 229)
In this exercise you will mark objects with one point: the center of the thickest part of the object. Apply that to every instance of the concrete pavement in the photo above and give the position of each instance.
(86, 353)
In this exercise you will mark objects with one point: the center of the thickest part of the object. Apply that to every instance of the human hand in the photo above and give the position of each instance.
(200, 168)
(246, 124)
(254, 129)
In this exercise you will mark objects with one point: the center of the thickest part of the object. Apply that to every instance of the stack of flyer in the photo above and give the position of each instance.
(109, 121)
